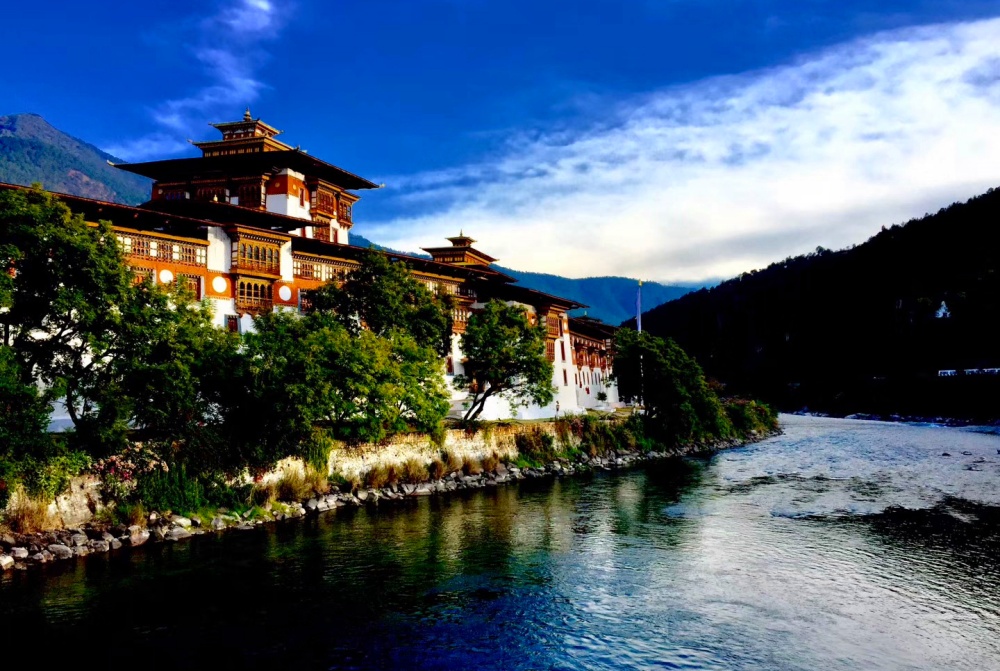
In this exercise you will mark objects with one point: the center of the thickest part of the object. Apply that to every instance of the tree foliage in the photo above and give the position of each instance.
(858, 329)
(678, 403)
(505, 357)
(382, 295)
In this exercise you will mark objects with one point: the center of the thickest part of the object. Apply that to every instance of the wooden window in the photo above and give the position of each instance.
(233, 323)
(565, 378)
(562, 348)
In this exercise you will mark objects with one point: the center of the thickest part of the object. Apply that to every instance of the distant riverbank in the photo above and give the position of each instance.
(907, 419)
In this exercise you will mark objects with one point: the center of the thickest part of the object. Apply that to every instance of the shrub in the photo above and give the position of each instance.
(296, 485)
(536, 446)
(471, 466)
(317, 450)
(452, 462)
(381, 476)
(437, 469)
(27, 514)
(749, 416)
(414, 471)
(490, 462)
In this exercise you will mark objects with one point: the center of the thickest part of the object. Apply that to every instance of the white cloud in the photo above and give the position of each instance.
(725, 175)
(225, 45)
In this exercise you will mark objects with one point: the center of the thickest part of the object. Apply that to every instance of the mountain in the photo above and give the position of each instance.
(610, 299)
(32, 150)
(864, 329)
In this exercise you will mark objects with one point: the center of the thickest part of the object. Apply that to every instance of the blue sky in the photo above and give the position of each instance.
(669, 140)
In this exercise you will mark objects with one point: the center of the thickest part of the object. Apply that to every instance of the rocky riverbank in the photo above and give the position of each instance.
(19, 551)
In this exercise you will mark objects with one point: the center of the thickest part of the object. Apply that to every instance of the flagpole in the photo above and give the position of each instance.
(638, 324)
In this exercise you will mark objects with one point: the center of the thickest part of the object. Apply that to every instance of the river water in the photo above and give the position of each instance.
(839, 545)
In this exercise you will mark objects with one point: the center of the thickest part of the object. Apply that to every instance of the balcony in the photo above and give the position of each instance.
(253, 305)
(552, 327)
(253, 266)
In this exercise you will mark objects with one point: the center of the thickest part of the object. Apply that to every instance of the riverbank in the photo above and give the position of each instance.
(905, 419)
(21, 550)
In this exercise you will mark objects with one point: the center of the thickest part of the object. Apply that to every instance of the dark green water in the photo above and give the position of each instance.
(841, 545)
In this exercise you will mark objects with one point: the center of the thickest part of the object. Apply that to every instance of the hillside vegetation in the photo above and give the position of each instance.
(862, 329)
(32, 150)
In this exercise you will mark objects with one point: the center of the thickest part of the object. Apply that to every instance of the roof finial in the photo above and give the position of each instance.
(461, 232)
(246, 115)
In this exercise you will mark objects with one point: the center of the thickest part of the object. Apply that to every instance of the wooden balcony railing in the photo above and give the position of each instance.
(253, 305)
(247, 265)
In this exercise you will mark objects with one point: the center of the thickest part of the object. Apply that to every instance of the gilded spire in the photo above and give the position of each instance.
(246, 115)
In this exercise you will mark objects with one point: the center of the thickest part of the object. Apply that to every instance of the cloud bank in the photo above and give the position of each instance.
(227, 46)
(724, 175)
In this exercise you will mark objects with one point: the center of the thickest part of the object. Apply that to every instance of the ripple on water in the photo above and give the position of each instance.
(837, 546)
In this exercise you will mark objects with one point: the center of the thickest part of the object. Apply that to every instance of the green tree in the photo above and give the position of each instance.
(505, 356)
(64, 307)
(382, 295)
(117, 352)
(678, 403)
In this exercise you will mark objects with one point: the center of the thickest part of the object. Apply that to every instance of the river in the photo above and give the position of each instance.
(839, 545)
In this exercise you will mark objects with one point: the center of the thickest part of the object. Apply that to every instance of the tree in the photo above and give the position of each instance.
(505, 357)
(64, 304)
(381, 295)
(24, 418)
(678, 403)
(82, 329)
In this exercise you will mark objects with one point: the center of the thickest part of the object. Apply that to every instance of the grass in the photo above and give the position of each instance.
(296, 485)
(437, 469)
(491, 462)
(452, 462)
(27, 515)
(471, 466)
(414, 471)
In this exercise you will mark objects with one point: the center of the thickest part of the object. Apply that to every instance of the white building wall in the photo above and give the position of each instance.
(287, 267)
(220, 250)
(287, 204)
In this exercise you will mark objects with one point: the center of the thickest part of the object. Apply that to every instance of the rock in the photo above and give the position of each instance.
(39, 558)
(501, 470)
(19, 553)
(137, 536)
(9, 541)
(78, 540)
(245, 527)
(115, 544)
(176, 534)
(422, 489)
(408, 489)
(105, 536)
(153, 517)
(6, 562)
(967, 453)
(157, 533)
(362, 495)
(945, 454)
(195, 521)
(99, 546)
(60, 551)
(218, 524)
(81, 551)
(312, 505)
(180, 521)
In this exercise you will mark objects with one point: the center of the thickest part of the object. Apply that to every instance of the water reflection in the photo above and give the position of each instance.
(792, 554)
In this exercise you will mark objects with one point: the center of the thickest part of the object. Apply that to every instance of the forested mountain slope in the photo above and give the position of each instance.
(865, 329)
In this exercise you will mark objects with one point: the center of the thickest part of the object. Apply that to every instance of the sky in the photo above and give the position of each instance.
(667, 140)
